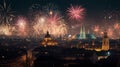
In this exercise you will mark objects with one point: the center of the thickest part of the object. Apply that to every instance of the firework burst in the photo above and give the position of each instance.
(6, 13)
(5, 30)
(54, 18)
(76, 12)
(116, 25)
(96, 28)
(52, 23)
(22, 26)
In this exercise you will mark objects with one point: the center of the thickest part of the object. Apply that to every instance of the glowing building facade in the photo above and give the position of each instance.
(105, 42)
(48, 41)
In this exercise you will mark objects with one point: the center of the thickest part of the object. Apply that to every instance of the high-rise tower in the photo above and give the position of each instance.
(105, 42)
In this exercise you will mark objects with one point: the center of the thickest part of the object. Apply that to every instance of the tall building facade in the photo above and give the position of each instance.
(105, 42)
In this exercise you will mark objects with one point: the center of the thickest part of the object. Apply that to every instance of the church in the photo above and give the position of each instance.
(48, 40)
(84, 35)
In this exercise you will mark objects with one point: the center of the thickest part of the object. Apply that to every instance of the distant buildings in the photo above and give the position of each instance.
(105, 40)
(14, 57)
(104, 45)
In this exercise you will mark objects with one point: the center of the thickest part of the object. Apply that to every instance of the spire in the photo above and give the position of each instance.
(88, 32)
(105, 34)
(84, 30)
(47, 32)
(81, 31)
(84, 34)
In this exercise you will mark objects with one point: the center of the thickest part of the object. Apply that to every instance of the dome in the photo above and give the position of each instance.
(48, 41)
(47, 35)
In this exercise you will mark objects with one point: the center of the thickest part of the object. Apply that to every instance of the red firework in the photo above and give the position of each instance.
(76, 12)
(21, 25)
(54, 18)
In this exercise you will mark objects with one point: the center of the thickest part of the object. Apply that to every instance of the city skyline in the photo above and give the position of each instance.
(59, 33)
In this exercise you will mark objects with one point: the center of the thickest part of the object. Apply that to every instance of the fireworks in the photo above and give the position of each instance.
(6, 14)
(6, 17)
(113, 30)
(52, 23)
(76, 12)
(116, 26)
(96, 28)
(51, 9)
(111, 15)
(39, 23)
(22, 26)
(53, 18)
(48, 18)
(5, 30)
(110, 34)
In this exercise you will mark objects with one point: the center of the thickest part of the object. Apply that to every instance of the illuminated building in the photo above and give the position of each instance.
(83, 34)
(48, 41)
(29, 58)
(14, 62)
(105, 42)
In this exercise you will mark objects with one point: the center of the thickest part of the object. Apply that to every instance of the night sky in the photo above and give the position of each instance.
(94, 8)
(97, 11)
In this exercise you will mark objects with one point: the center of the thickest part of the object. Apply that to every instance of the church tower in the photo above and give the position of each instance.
(105, 42)
(82, 33)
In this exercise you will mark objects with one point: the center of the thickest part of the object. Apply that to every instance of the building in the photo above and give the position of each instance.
(48, 41)
(29, 59)
(84, 35)
(105, 42)
(14, 57)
